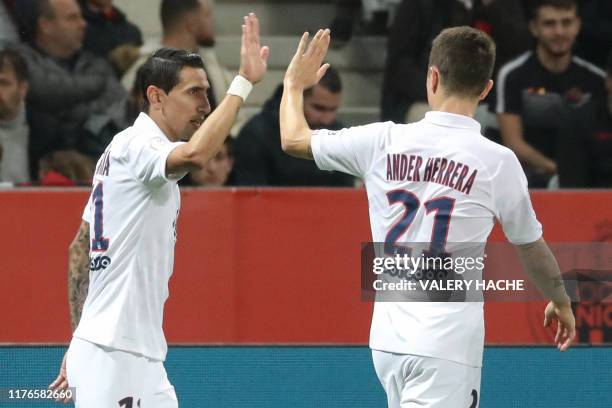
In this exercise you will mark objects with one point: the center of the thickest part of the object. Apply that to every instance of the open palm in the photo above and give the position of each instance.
(305, 69)
(253, 57)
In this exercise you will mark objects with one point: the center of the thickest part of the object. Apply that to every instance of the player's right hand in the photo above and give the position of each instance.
(61, 382)
(566, 324)
(253, 57)
(306, 67)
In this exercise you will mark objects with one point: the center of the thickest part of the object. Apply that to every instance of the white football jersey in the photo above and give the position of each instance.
(437, 179)
(132, 214)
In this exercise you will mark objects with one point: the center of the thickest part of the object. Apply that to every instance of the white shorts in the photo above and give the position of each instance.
(104, 377)
(415, 381)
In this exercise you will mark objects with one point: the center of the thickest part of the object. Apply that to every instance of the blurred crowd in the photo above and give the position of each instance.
(69, 71)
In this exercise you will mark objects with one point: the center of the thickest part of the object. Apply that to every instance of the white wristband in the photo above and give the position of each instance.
(241, 87)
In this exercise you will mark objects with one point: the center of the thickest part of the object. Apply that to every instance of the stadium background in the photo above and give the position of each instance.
(265, 306)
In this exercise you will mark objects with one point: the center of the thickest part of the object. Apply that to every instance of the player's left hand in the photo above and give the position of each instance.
(566, 324)
(61, 382)
(305, 69)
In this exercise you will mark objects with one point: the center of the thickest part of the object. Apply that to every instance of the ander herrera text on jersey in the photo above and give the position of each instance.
(447, 172)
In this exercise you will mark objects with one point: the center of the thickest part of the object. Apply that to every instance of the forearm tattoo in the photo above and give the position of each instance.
(78, 273)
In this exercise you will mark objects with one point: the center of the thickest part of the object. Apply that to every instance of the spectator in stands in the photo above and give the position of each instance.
(188, 24)
(14, 130)
(135, 101)
(109, 34)
(600, 159)
(217, 171)
(8, 31)
(375, 15)
(595, 40)
(65, 168)
(418, 22)
(547, 99)
(75, 101)
(259, 157)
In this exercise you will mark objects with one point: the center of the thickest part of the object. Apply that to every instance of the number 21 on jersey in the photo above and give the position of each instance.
(442, 206)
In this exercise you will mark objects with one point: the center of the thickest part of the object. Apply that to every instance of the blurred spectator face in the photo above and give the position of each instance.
(216, 171)
(65, 29)
(201, 24)
(12, 92)
(186, 105)
(321, 107)
(555, 29)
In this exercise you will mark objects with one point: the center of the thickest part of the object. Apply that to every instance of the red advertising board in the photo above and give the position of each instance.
(253, 266)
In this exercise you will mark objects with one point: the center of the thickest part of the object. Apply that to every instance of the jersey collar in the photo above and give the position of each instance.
(144, 122)
(452, 120)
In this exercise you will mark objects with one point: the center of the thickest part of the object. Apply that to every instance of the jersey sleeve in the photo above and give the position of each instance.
(147, 160)
(513, 204)
(350, 150)
(508, 92)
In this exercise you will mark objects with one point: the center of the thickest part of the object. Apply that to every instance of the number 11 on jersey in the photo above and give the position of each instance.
(98, 243)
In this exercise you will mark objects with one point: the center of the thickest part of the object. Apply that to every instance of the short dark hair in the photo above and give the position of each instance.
(15, 59)
(465, 58)
(558, 4)
(163, 69)
(172, 10)
(330, 81)
(27, 13)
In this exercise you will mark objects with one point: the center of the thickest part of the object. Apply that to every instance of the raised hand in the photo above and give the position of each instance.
(305, 69)
(253, 57)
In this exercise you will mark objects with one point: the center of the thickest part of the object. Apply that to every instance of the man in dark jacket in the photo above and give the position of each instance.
(109, 34)
(259, 159)
(548, 100)
(418, 22)
(599, 163)
(594, 42)
(75, 101)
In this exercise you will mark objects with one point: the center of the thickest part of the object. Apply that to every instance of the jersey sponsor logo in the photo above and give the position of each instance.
(99, 263)
(439, 170)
